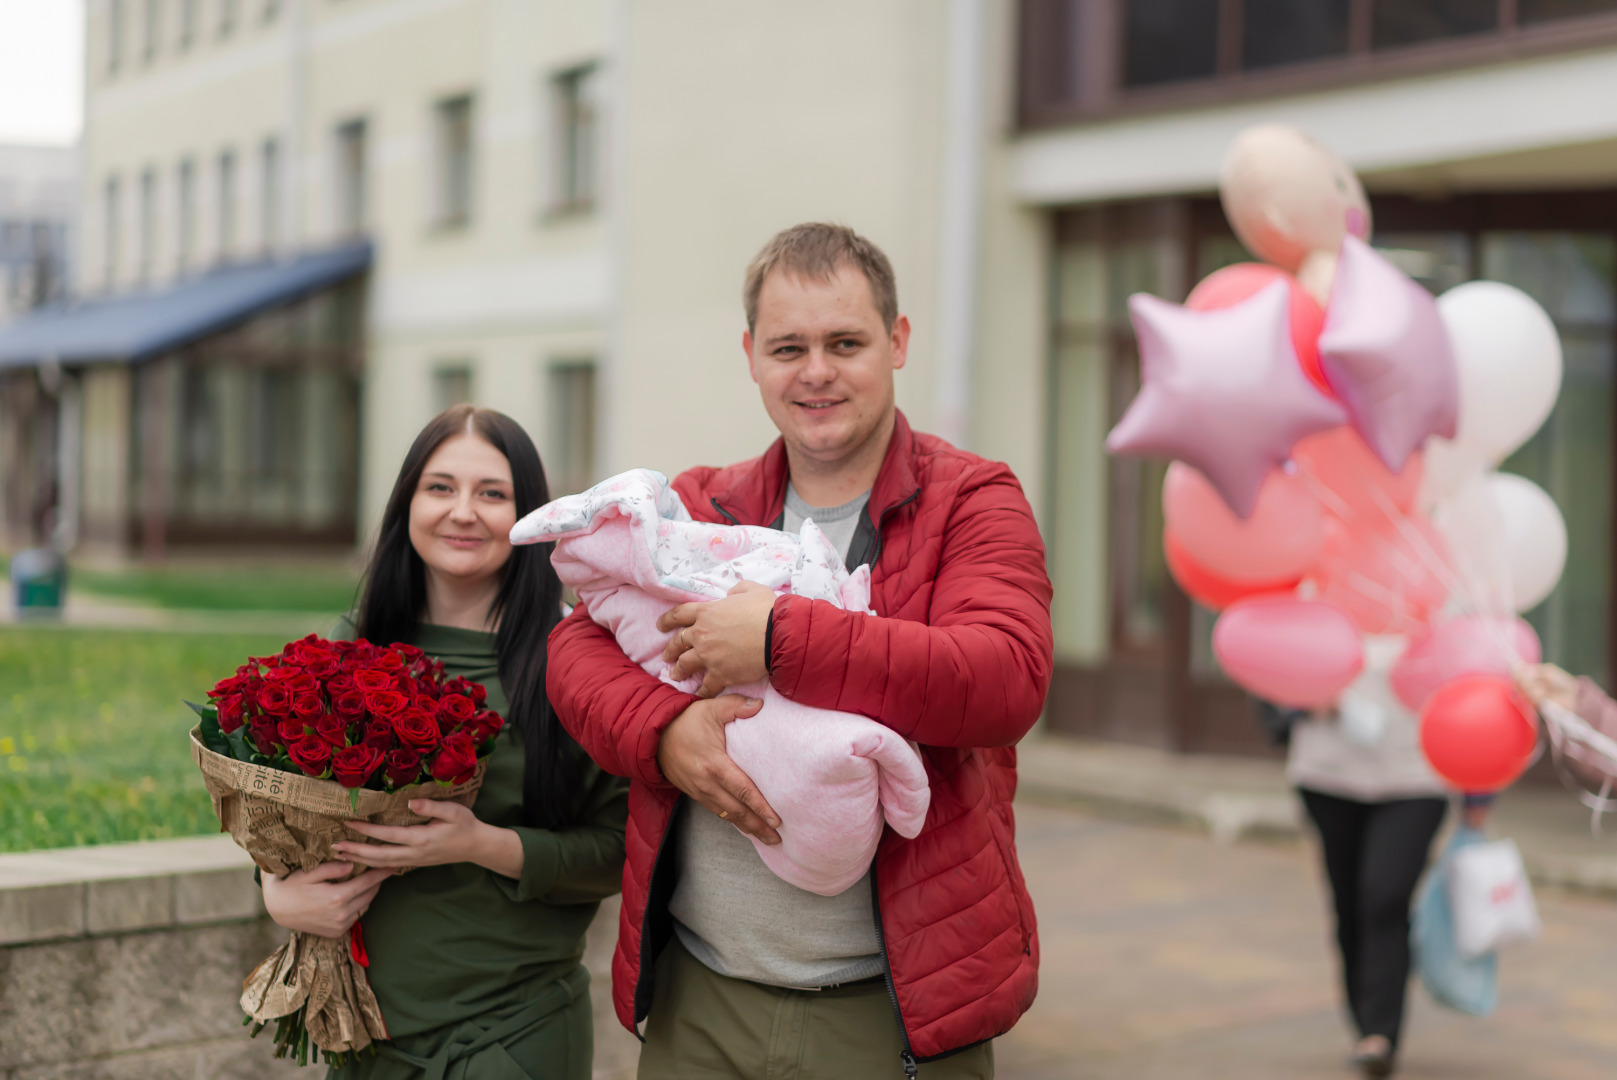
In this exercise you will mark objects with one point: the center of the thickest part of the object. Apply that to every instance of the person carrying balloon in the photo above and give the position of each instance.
(1333, 429)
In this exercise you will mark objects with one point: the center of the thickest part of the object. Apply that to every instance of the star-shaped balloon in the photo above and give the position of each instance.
(1386, 354)
(1222, 391)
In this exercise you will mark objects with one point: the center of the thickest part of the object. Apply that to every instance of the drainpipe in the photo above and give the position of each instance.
(961, 226)
(69, 461)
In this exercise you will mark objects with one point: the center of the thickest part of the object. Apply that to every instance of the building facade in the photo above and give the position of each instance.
(561, 195)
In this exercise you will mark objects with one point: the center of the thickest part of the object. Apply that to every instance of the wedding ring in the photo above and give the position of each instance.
(724, 813)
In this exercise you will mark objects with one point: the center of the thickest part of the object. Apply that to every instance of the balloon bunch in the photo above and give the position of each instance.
(1334, 431)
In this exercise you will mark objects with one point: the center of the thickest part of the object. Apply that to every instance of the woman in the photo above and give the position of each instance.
(475, 957)
(1377, 806)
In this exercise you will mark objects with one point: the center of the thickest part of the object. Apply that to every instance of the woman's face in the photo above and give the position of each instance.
(463, 509)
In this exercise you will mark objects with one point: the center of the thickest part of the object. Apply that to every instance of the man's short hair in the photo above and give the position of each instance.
(817, 250)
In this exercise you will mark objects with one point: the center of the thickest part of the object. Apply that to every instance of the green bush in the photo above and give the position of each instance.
(280, 588)
(93, 745)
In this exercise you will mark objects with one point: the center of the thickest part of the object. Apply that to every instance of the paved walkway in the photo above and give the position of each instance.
(1232, 797)
(1170, 956)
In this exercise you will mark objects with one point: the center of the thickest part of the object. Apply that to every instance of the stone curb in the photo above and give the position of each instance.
(118, 888)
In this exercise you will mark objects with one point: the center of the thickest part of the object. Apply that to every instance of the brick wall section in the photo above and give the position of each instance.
(124, 962)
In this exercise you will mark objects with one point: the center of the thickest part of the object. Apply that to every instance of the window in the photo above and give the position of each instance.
(152, 29)
(1414, 22)
(1536, 11)
(452, 384)
(227, 16)
(576, 150)
(115, 35)
(272, 9)
(351, 177)
(227, 203)
(147, 251)
(1277, 32)
(185, 195)
(269, 193)
(1170, 41)
(188, 22)
(453, 127)
(570, 453)
(111, 225)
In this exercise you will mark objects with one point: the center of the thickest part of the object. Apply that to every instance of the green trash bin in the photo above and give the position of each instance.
(38, 582)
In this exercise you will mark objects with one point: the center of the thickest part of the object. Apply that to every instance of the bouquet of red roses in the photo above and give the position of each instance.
(292, 747)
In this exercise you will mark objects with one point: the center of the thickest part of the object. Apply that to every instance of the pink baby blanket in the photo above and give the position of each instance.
(630, 550)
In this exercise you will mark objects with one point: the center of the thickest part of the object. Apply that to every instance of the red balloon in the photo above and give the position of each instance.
(1282, 537)
(1232, 284)
(1478, 732)
(1211, 590)
(1385, 576)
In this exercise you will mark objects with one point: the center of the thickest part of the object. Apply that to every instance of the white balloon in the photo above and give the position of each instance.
(1507, 542)
(1509, 360)
(1447, 465)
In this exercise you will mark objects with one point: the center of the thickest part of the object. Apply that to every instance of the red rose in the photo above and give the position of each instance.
(403, 766)
(353, 765)
(264, 735)
(390, 661)
(486, 725)
(228, 686)
(230, 713)
(456, 761)
(283, 674)
(457, 708)
(275, 699)
(308, 707)
(387, 703)
(379, 733)
(369, 680)
(417, 729)
(333, 729)
(409, 652)
(303, 683)
(312, 754)
(348, 703)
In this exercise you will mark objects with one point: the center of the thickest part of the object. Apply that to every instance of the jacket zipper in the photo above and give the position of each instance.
(875, 551)
(731, 518)
(646, 968)
(907, 1054)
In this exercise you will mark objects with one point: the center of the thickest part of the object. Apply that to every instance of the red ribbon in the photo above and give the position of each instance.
(356, 946)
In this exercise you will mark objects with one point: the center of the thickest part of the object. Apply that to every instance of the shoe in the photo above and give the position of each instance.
(1373, 1055)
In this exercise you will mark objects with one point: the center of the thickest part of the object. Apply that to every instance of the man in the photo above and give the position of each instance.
(737, 973)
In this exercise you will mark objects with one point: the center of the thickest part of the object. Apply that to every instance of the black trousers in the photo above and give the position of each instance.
(1374, 855)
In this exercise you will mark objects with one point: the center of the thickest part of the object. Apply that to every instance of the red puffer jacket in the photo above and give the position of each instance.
(959, 661)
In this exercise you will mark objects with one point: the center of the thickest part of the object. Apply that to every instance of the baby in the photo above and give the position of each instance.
(629, 549)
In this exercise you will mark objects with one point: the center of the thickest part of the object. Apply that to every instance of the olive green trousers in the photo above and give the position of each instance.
(704, 1025)
(550, 1037)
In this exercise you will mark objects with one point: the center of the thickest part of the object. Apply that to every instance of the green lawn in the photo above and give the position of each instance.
(92, 732)
(280, 588)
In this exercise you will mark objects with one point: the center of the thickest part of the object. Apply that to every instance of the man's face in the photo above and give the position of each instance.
(824, 363)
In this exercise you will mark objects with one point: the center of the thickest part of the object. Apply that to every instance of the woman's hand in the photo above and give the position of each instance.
(1546, 682)
(319, 901)
(454, 835)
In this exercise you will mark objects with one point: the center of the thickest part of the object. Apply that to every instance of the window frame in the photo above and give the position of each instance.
(446, 216)
(1070, 63)
(574, 169)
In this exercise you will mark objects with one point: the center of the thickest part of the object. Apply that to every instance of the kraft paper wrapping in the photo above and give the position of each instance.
(288, 822)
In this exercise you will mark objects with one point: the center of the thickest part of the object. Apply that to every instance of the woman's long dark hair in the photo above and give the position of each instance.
(527, 607)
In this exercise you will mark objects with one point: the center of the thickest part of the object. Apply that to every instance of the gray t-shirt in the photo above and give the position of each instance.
(736, 916)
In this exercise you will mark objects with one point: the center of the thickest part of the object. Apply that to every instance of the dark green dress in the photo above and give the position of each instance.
(479, 975)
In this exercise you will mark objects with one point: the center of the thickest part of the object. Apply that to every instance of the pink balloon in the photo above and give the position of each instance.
(1297, 653)
(1467, 645)
(1221, 390)
(1281, 539)
(1387, 577)
(1387, 355)
(1352, 481)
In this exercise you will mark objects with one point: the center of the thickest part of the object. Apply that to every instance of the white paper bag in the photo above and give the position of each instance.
(1493, 903)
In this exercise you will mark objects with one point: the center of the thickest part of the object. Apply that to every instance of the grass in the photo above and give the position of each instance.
(92, 732)
(312, 588)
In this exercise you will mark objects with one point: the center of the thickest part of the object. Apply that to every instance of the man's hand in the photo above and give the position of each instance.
(723, 640)
(691, 755)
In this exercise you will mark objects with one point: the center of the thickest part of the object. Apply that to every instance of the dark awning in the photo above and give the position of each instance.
(138, 326)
